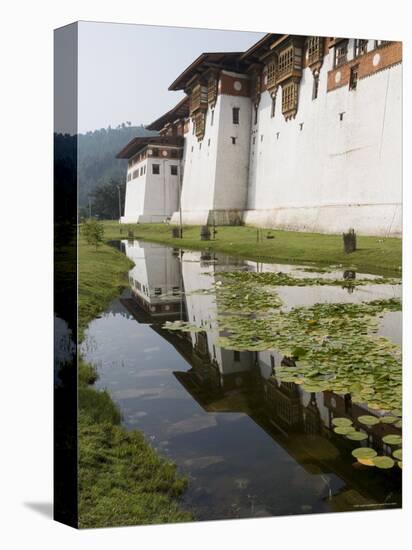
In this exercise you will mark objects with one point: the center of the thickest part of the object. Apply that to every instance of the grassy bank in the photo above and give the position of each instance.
(102, 276)
(374, 254)
(122, 480)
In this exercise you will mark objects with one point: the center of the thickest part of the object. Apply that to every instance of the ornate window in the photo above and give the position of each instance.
(290, 99)
(199, 121)
(341, 53)
(211, 90)
(380, 43)
(271, 74)
(285, 62)
(360, 47)
(314, 49)
(198, 98)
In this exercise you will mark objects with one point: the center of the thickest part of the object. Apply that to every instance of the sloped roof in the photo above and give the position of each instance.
(228, 60)
(181, 110)
(139, 143)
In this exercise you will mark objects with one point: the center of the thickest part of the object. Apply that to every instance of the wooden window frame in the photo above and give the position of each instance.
(286, 61)
(360, 47)
(340, 54)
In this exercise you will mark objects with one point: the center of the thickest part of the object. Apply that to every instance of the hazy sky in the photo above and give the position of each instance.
(125, 70)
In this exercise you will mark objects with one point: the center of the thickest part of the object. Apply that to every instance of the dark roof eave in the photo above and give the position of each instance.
(139, 143)
(181, 110)
(198, 64)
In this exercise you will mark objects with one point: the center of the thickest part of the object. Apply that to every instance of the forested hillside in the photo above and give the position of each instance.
(97, 151)
(99, 172)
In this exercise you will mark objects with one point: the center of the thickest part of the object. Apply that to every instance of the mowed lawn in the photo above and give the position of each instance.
(373, 254)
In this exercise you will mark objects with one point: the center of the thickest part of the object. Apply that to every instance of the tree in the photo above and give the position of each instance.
(106, 199)
(93, 232)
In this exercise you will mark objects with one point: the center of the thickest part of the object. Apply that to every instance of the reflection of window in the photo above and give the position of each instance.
(175, 290)
(360, 47)
(341, 53)
(353, 79)
(156, 169)
(235, 115)
(157, 291)
(173, 170)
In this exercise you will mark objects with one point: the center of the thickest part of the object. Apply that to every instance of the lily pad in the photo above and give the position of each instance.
(342, 422)
(366, 461)
(368, 420)
(364, 452)
(357, 436)
(392, 439)
(389, 419)
(397, 454)
(383, 462)
(344, 430)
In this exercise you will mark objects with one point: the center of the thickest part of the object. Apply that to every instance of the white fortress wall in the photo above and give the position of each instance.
(233, 154)
(163, 198)
(319, 173)
(152, 197)
(199, 171)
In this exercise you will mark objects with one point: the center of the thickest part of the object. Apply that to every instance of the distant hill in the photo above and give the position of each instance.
(97, 150)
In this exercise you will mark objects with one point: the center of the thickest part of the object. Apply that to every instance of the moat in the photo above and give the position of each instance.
(252, 441)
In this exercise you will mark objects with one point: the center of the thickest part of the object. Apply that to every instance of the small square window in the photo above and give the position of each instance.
(156, 169)
(173, 169)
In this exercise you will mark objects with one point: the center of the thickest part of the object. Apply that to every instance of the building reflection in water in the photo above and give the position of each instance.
(168, 285)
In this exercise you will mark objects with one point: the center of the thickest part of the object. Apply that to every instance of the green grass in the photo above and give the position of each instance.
(102, 276)
(122, 480)
(374, 254)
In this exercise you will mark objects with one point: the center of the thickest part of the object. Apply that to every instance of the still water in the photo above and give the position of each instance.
(249, 444)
